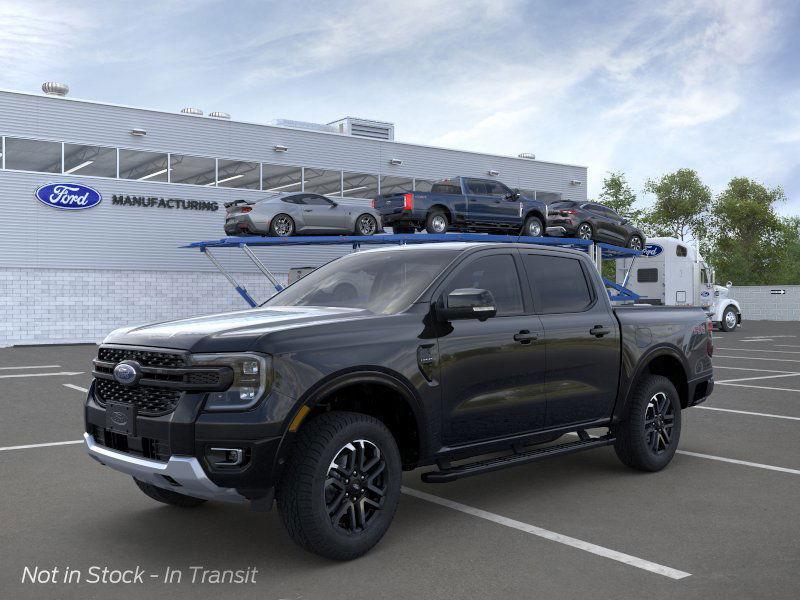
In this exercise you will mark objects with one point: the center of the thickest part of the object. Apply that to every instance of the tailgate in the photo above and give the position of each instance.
(391, 203)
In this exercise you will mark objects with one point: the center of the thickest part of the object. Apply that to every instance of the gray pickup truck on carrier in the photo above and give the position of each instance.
(388, 360)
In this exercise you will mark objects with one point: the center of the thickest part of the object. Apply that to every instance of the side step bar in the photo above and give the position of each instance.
(518, 458)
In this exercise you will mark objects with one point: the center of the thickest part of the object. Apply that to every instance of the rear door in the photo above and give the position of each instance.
(582, 338)
(493, 371)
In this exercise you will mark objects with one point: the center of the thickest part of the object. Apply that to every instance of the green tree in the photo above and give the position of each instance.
(750, 243)
(681, 205)
(617, 194)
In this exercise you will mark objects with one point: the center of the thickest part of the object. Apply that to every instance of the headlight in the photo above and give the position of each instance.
(252, 378)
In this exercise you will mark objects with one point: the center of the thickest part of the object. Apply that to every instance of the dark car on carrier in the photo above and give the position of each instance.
(464, 204)
(594, 221)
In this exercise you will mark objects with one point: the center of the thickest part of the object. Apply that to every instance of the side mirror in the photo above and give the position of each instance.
(468, 303)
(513, 195)
(334, 204)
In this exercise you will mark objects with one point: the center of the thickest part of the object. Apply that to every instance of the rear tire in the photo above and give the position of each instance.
(648, 435)
(729, 320)
(437, 221)
(168, 496)
(636, 243)
(584, 232)
(281, 225)
(341, 485)
(533, 227)
(366, 224)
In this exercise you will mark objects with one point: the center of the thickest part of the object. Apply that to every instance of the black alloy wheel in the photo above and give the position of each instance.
(355, 487)
(281, 226)
(635, 243)
(659, 419)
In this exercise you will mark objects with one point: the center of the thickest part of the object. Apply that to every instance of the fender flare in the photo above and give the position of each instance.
(724, 305)
(341, 379)
(642, 364)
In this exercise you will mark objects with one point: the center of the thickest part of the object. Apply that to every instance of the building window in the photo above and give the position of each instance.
(237, 174)
(280, 178)
(423, 185)
(321, 181)
(396, 185)
(96, 161)
(194, 170)
(144, 166)
(33, 155)
(359, 185)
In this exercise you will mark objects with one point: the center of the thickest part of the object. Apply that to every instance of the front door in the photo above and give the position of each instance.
(583, 340)
(492, 372)
(324, 215)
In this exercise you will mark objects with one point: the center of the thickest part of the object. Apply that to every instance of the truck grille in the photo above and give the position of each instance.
(146, 358)
(150, 401)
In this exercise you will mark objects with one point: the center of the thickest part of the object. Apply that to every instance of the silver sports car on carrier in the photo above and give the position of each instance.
(299, 213)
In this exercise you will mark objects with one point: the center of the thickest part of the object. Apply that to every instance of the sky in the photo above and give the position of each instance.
(639, 87)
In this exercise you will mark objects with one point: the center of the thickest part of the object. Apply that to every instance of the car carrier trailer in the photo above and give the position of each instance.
(597, 251)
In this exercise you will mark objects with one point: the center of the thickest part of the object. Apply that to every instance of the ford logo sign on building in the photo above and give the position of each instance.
(68, 196)
(652, 250)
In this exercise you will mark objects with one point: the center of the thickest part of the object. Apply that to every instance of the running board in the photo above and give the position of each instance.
(518, 458)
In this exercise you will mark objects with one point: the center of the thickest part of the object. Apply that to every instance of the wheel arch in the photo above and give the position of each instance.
(665, 361)
(444, 208)
(376, 392)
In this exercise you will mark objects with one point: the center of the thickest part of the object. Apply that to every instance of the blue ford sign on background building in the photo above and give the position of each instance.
(68, 196)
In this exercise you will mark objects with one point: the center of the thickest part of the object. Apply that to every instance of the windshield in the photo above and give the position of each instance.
(385, 282)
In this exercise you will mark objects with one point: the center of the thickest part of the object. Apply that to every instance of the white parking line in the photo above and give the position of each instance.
(759, 377)
(758, 358)
(41, 374)
(41, 445)
(740, 462)
(627, 559)
(76, 387)
(31, 367)
(757, 350)
(751, 369)
(757, 387)
(746, 412)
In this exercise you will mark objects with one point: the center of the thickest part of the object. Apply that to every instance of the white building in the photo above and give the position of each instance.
(73, 275)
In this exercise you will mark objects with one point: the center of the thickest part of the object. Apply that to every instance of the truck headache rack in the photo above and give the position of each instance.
(598, 251)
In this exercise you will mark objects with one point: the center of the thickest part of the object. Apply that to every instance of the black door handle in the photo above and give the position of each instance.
(525, 337)
(599, 331)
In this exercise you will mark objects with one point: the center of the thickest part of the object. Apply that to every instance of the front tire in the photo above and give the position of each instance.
(584, 232)
(436, 222)
(281, 226)
(168, 496)
(341, 485)
(729, 320)
(533, 227)
(635, 243)
(648, 435)
(366, 224)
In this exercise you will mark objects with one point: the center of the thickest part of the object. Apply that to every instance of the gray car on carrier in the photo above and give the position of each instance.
(300, 213)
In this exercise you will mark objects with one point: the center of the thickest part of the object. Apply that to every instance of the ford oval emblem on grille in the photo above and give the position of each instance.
(119, 418)
(127, 373)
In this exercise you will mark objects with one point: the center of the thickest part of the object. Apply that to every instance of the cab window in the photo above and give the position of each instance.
(681, 250)
(560, 283)
(496, 273)
(477, 187)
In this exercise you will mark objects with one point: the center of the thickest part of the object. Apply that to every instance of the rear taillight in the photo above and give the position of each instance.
(566, 213)
(373, 203)
(408, 201)
(710, 340)
(246, 209)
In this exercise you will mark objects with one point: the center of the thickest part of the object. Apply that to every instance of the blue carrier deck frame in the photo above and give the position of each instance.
(597, 250)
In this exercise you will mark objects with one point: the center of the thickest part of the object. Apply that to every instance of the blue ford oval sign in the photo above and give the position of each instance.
(127, 373)
(652, 250)
(68, 196)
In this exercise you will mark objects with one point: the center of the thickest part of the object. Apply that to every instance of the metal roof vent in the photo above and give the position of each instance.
(377, 130)
(527, 155)
(51, 88)
(219, 115)
(192, 111)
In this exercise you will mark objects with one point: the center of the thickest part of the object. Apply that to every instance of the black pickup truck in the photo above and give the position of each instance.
(464, 204)
(388, 360)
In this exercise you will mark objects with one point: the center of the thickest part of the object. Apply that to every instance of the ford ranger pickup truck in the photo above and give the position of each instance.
(464, 204)
(385, 361)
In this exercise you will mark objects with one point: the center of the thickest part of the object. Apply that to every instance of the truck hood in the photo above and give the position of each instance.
(232, 331)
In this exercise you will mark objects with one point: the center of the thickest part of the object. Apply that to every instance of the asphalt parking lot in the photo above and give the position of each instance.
(720, 522)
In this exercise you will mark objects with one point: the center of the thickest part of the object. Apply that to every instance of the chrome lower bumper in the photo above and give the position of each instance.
(183, 470)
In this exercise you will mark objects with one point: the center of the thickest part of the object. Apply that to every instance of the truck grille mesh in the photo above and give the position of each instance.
(150, 401)
(146, 358)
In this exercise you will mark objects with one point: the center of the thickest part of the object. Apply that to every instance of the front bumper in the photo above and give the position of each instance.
(181, 474)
